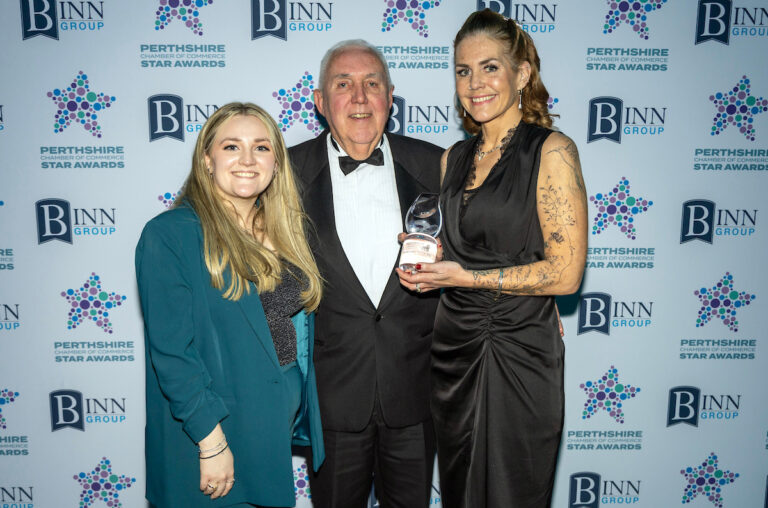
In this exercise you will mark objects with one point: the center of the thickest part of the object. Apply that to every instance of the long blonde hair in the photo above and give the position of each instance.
(279, 215)
(519, 48)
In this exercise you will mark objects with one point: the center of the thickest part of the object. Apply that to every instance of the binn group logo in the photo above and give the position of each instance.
(58, 220)
(589, 490)
(7, 397)
(722, 302)
(687, 405)
(609, 118)
(607, 394)
(405, 118)
(91, 302)
(297, 105)
(184, 12)
(412, 13)
(737, 107)
(77, 103)
(598, 312)
(16, 496)
(101, 484)
(707, 479)
(70, 409)
(702, 220)
(276, 18)
(632, 14)
(50, 17)
(618, 208)
(170, 117)
(10, 317)
(718, 20)
(531, 17)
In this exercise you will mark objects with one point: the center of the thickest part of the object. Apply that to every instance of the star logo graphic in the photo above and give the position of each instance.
(412, 12)
(6, 397)
(297, 105)
(301, 482)
(632, 13)
(706, 479)
(737, 107)
(102, 484)
(618, 208)
(607, 394)
(168, 198)
(186, 11)
(91, 303)
(721, 301)
(78, 104)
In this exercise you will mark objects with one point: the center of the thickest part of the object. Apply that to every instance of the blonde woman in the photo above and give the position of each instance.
(227, 285)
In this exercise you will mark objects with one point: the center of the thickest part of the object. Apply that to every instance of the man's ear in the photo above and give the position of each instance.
(318, 97)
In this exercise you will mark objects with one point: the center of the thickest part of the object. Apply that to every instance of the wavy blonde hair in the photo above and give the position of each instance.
(232, 255)
(519, 48)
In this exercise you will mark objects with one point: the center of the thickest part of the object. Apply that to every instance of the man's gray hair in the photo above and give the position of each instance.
(339, 48)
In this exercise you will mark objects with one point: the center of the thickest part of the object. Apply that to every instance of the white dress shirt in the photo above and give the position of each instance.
(368, 218)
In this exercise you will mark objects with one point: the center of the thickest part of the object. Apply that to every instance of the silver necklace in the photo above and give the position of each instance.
(480, 154)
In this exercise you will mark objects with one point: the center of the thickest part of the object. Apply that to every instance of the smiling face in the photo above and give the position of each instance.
(241, 161)
(355, 101)
(487, 83)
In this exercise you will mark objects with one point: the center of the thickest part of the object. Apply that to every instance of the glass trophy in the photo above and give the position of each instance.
(422, 223)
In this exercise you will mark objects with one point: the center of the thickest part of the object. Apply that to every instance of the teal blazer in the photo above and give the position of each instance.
(211, 360)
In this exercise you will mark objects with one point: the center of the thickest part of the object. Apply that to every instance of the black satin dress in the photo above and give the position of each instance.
(497, 396)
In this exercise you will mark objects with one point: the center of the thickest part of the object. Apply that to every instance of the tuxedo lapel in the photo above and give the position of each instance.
(318, 204)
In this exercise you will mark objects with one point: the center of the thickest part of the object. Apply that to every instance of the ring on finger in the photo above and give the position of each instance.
(230, 481)
(418, 287)
(213, 486)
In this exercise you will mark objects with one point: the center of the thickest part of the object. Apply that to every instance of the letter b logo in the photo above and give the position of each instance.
(166, 117)
(595, 313)
(698, 221)
(66, 410)
(396, 122)
(584, 490)
(683, 406)
(605, 119)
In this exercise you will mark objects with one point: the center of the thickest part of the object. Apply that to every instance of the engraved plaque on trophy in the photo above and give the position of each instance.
(422, 223)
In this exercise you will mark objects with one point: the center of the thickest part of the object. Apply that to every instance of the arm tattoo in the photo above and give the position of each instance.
(535, 278)
(570, 157)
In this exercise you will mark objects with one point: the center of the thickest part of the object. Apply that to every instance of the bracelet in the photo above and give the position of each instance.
(221, 443)
(501, 280)
(215, 454)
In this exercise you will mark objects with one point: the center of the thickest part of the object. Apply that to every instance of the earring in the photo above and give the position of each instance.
(520, 104)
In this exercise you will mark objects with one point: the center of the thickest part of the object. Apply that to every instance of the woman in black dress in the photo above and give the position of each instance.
(515, 235)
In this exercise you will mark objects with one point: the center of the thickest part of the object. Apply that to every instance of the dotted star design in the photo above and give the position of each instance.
(78, 104)
(297, 105)
(607, 394)
(707, 480)
(91, 303)
(737, 107)
(618, 208)
(102, 484)
(412, 12)
(301, 482)
(632, 13)
(721, 301)
(168, 198)
(185, 11)
(6, 397)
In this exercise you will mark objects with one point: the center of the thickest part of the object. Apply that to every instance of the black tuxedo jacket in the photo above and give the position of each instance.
(360, 349)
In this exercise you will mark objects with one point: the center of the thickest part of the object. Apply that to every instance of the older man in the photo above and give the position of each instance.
(372, 341)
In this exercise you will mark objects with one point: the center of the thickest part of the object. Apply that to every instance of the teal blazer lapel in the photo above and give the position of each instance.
(253, 313)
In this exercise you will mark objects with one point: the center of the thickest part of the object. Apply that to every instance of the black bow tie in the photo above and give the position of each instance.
(348, 164)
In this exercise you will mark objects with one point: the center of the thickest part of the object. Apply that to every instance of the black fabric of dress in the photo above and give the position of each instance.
(497, 364)
(279, 305)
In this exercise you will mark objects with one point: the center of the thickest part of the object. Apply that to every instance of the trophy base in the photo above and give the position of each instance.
(417, 248)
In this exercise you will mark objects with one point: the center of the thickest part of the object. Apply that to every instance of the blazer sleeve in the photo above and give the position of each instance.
(163, 272)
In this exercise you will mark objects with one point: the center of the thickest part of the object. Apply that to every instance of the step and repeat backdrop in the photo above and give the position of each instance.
(100, 105)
